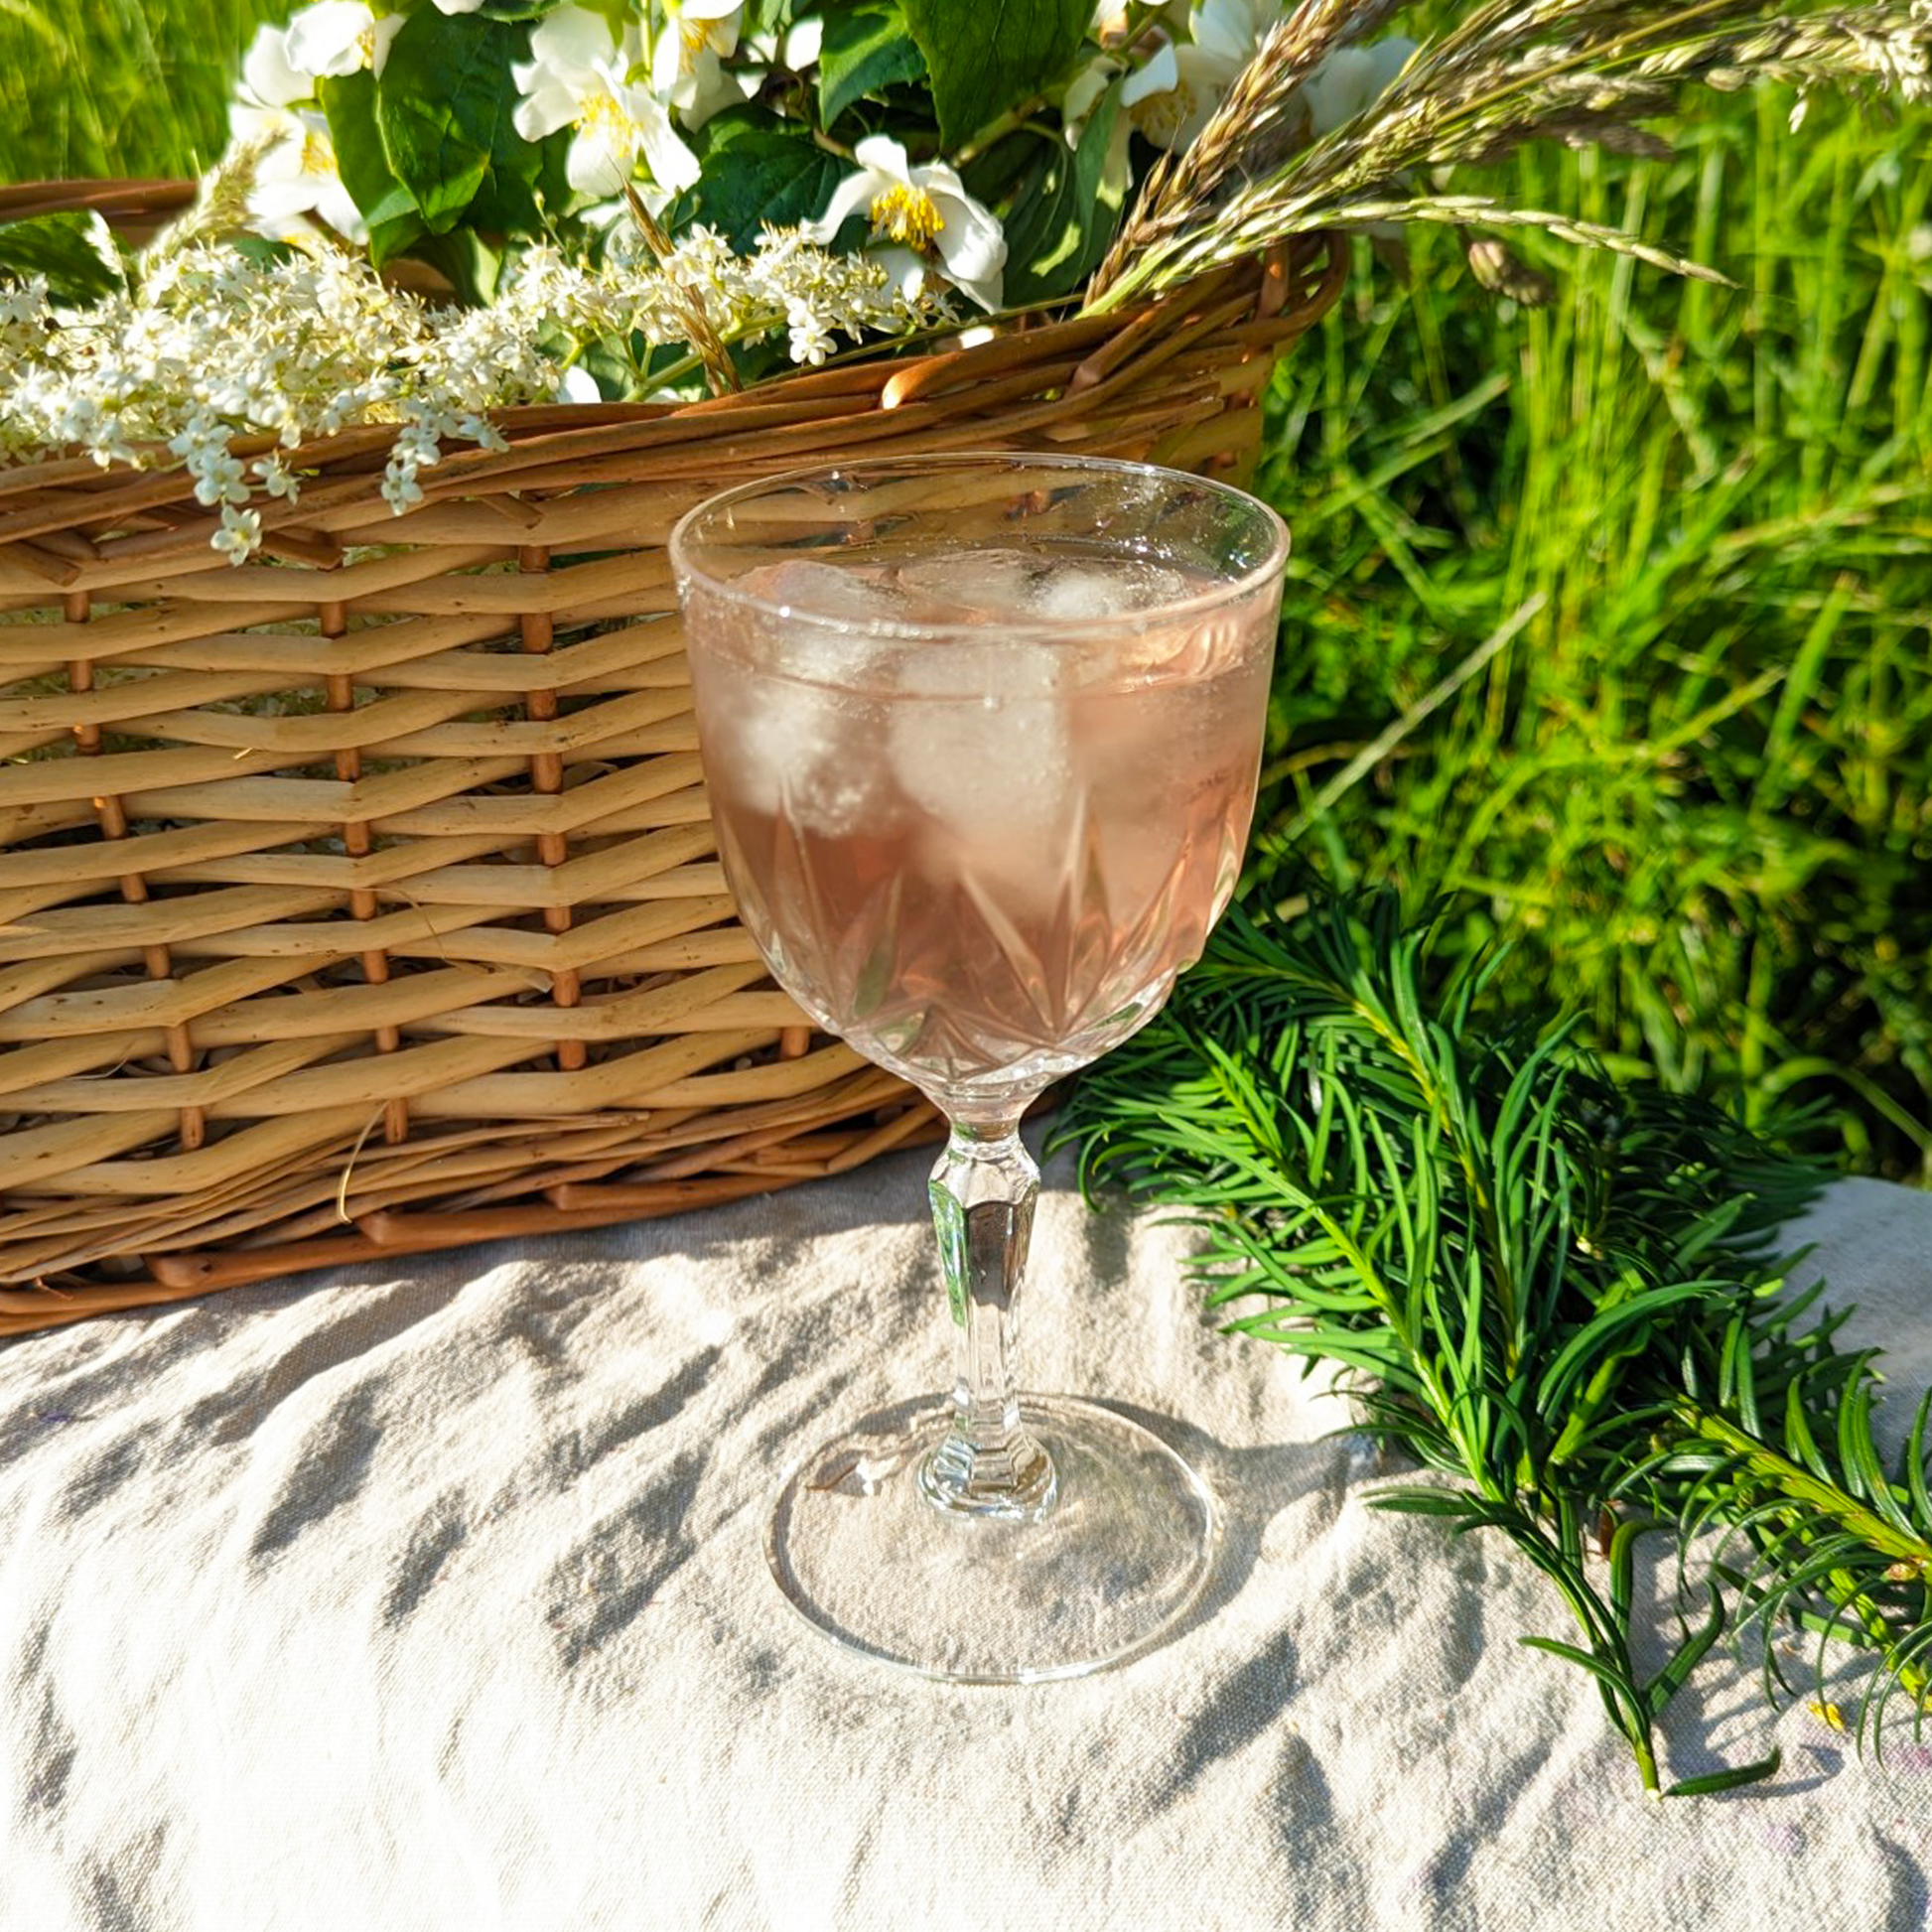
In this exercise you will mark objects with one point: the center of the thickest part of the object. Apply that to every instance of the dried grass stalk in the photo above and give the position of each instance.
(1581, 72)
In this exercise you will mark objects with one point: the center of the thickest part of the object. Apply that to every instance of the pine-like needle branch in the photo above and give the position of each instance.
(1555, 1292)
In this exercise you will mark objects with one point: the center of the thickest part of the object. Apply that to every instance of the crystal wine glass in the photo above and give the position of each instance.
(981, 734)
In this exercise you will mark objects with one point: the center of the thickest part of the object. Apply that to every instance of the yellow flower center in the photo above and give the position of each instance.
(318, 153)
(1162, 116)
(366, 44)
(908, 214)
(603, 115)
(693, 37)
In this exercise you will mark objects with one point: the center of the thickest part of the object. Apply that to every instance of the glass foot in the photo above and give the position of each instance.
(1108, 1571)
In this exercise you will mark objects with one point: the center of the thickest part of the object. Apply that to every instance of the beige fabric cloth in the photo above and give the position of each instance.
(433, 1598)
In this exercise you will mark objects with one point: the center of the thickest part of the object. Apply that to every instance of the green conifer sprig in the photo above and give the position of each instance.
(1557, 1291)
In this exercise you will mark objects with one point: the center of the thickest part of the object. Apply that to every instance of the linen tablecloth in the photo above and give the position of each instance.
(433, 1596)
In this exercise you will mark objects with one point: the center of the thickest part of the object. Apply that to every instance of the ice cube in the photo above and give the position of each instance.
(802, 751)
(843, 592)
(974, 583)
(1116, 588)
(978, 739)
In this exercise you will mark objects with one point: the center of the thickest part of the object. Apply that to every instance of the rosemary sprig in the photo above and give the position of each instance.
(1553, 1290)
(1582, 73)
(1767, 1433)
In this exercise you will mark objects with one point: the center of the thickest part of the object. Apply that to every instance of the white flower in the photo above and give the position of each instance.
(810, 339)
(1172, 108)
(211, 346)
(400, 487)
(220, 481)
(294, 172)
(1085, 88)
(925, 208)
(802, 44)
(686, 67)
(240, 534)
(457, 6)
(1351, 79)
(24, 302)
(579, 77)
(796, 46)
(277, 477)
(335, 38)
(1113, 20)
(707, 23)
(268, 78)
(1158, 76)
(1222, 36)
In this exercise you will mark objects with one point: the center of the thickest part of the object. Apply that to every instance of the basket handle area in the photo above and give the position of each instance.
(134, 205)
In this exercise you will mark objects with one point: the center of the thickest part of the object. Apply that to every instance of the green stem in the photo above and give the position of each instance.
(1803, 1486)
(1606, 1631)
(1852, 1602)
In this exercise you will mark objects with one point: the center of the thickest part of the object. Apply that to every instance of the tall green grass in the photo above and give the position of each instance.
(100, 89)
(1694, 787)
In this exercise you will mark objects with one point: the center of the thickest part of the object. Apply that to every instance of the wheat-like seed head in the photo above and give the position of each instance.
(1581, 72)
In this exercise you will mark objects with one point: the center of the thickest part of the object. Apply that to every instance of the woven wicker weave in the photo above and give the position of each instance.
(362, 900)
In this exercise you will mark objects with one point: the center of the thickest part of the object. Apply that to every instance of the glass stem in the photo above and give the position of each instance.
(983, 1191)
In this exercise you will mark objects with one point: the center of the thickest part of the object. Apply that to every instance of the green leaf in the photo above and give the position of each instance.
(988, 56)
(465, 262)
(1623, 1558)
(867, 49)
(58, 247)
(1676, 1674)
(766, 16)
(445, 90)
(1067, 210)
(1405, 1183)
(1711, 1781)
(1912, 1459)
(757, 168)
(1605, 1673)
(524, 179)
(263, 252)
(992, 177)
(1423, 1503)
(1612, 1328)
(387, 206)
(504, 204)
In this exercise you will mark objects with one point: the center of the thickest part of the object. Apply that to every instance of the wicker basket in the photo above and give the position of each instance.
(439, 949)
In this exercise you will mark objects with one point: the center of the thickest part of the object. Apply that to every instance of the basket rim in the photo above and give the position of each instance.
(922, 357)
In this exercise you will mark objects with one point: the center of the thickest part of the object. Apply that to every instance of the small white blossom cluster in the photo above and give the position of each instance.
(632, 81)
(794, 284)
(216, 345)
(23, 315)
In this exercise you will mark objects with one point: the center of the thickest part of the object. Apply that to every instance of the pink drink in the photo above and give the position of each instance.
(981, 850)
